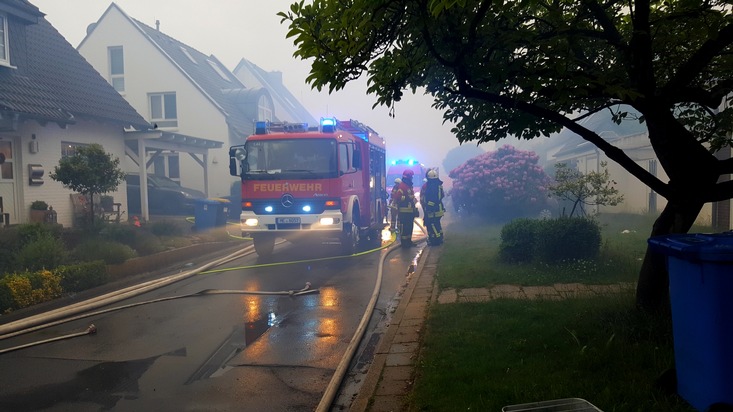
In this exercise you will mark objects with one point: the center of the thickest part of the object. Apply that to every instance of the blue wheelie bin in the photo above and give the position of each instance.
(205, 213)
(222, 211)
(700, 287)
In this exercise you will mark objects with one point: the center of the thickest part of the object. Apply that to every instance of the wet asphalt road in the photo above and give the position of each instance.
(216, 352)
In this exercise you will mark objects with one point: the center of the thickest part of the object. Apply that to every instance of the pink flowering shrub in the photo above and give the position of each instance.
(501, 185)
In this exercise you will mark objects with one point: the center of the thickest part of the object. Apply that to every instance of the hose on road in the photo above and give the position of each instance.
(205, 292)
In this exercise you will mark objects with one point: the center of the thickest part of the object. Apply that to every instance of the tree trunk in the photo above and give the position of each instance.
(652, 289)
(693, 173)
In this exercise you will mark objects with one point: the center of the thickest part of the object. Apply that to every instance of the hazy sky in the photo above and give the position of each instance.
(236, 29)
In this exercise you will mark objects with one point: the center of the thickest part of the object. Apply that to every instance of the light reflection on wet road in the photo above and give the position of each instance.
(244, 352)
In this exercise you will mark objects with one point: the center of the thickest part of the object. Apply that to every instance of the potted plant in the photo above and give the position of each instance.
(38, 211)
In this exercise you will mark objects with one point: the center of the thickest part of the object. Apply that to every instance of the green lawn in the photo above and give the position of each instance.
(484, 356)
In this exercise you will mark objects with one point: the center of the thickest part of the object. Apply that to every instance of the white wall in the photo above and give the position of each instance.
(147, 70)
(49, 152)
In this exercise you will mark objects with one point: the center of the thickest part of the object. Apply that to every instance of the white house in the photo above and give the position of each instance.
(630, 136)
(187, 95)
(51, 101)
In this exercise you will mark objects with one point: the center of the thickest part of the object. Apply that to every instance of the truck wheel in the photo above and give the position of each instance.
(350, 238)
(264, 245)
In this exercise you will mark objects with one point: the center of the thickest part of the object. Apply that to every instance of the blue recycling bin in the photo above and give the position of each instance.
(210, 213)
(701, 295)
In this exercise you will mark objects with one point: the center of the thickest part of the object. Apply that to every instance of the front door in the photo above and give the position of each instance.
(7, 179)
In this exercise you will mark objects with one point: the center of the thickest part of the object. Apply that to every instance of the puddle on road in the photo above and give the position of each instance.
(253, 330)
(238, 340)
(103, 384)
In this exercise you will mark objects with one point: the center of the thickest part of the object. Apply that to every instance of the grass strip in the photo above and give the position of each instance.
(484, 356)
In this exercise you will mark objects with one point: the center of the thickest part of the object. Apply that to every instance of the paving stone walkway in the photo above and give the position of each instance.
(389, 381)
(557, 291)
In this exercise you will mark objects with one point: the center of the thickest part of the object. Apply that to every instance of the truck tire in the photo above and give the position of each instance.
(350, 238)
(264, 244)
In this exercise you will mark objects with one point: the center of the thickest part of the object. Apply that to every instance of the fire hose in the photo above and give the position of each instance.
(93, 330)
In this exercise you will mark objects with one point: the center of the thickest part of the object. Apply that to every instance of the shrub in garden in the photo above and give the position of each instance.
(567, 239)
(550, 240)
(99, 249)
(518, 240)
(20, 290)
(166, 228)
(147, 243)
(82, 276)
(29, 232)
(14, 239)
(45, 252)
(8, 248)
(122, 233)
(501, 185)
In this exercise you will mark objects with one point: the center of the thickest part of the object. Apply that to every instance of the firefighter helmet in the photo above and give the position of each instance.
(397, 181)
(432, 174)
(407, 174)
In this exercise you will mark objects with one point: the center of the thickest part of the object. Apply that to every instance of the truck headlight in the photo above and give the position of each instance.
(326, 221)
(251, 222)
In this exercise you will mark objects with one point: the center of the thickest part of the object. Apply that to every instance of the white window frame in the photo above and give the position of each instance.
(162, 121)
(264, 111)
(69, 148)
(185, 51)
(5, 40)
(117, 80)
(218, 70)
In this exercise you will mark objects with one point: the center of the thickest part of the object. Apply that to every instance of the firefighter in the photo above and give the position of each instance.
(393, 205)
(431, 199)
(406, 208)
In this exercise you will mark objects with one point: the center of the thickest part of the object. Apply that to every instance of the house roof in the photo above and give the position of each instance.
(51, 81)
(272, 81)
(602, 124)
(207, 73)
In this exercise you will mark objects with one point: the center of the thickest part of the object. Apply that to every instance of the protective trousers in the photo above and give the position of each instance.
(405, 224)
(435, 230)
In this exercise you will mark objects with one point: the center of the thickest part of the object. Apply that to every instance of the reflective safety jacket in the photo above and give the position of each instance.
(404, 197)
(392, 201)
(431, 198)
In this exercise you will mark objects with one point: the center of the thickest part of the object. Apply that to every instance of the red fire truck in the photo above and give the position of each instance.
(301, 182)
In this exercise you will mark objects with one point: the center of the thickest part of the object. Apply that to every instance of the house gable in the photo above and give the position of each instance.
(287, 107)
(206, 75)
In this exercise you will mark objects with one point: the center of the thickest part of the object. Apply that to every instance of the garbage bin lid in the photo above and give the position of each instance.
(715, 247)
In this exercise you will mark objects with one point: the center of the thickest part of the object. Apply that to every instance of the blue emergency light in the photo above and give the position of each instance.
(261, 127)
(328, 124)
(409, 162)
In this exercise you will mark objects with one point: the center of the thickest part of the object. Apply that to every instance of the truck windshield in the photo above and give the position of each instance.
(309, 158)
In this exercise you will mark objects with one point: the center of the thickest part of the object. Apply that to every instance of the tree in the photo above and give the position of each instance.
(501, 185)
(585, 189)
(89, 171)
(530, 68)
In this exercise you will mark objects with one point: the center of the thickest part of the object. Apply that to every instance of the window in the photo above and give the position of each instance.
(6, 159)
(346, 154)
(163, 110)
(116, 68)
(4, 49)
(218, 70)
(69, 148)
(166, 164)
(185, 51)
(264, 111)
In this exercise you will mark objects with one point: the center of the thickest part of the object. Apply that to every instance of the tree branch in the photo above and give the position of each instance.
(691, 69)
(611, 151)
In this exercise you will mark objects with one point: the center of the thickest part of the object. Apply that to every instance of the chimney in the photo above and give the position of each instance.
(157, 25)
